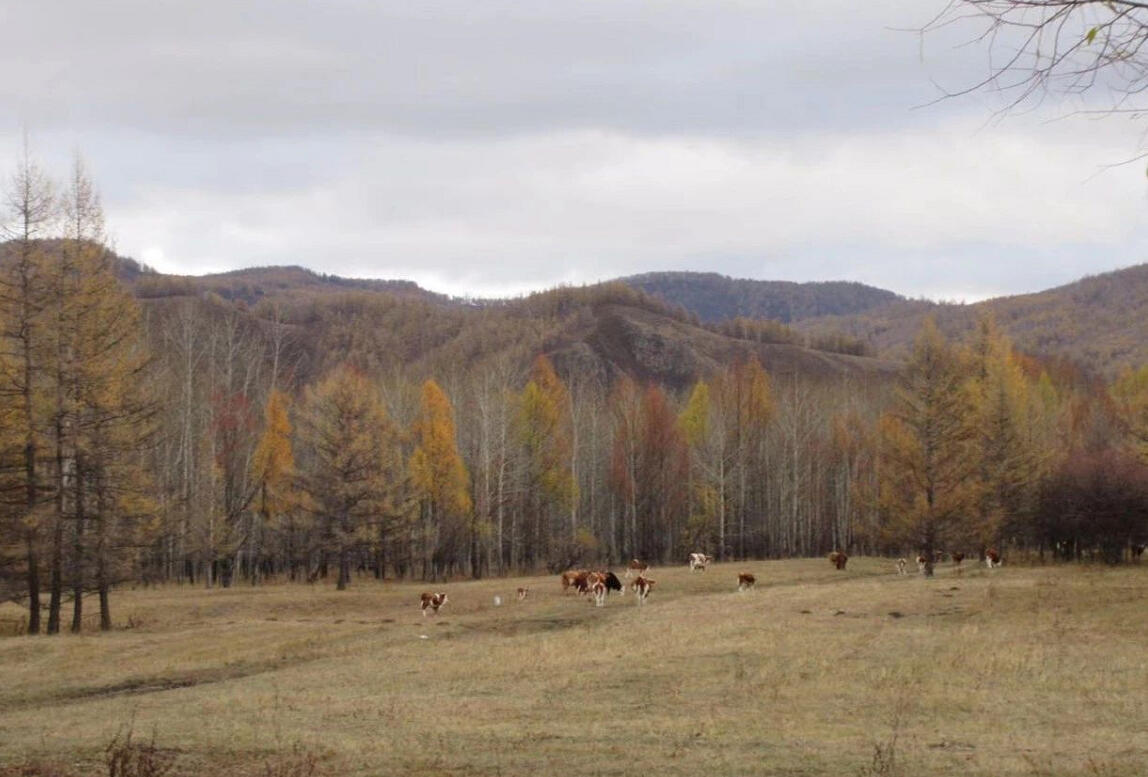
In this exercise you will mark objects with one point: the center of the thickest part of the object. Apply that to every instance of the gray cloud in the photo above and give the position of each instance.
(493, 147)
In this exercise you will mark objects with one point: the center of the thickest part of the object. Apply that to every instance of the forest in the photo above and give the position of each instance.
(189, 438)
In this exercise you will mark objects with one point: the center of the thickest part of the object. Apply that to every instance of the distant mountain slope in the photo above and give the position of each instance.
(256, 283)
(1100, 321)
(713, 297)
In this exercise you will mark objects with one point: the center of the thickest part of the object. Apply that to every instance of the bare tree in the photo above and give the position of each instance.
(1041, 47)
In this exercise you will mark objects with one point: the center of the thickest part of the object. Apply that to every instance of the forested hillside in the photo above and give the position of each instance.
(1099, 322)
(714, 297)
(273, 424)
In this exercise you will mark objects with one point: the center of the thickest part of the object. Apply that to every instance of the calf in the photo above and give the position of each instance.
(901, 564)
(432, 601)
(838, 559)
(522, 593)
(636, 567)
(699, 561)
(642, 587)
(745, 581)
(992, 558)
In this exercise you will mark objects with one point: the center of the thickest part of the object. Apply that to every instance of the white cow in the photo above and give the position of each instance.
(699, 561)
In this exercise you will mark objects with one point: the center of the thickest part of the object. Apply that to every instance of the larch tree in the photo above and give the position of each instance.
(440, 480)
(927, 447)
(544, 429)
(1008, 461)
(352, 468)
(273, 466)
(31, 214)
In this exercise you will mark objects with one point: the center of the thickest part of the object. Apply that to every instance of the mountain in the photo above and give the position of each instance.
(1099, 322)
(599, 332)
(713, 297)
(251, 285)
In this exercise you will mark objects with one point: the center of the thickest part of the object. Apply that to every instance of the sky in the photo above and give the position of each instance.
(491, 148)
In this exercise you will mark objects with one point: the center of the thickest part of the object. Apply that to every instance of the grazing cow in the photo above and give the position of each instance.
(901, 564)
(522, 593)
(838, 559)
(432, 601)
(636, 567)
(698, 561)
(612, 583)
(642, 586)
(745, 581)
(598, 589)
(992, 558)
(569, 578)
(921, 564)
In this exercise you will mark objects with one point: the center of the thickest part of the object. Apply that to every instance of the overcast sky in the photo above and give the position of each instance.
(490, 147)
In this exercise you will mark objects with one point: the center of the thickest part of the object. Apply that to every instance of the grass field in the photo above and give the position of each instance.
(1017, 671)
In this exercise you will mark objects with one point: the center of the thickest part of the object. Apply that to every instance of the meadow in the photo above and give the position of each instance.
(1036, 671)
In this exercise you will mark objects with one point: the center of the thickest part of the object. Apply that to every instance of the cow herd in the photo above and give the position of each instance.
(598, 584)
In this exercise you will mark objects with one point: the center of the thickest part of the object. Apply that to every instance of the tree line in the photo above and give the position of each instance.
(183, 441)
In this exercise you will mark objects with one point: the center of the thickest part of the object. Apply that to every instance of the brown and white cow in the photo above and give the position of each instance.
(523, 593)
(901, 564)
(431, 602)
(570, 577)
(992, 558)
(636, 567)
(699, 561)
(642, 586)
(921, 564)
(745, 581)
(598, 590)
(838, 559)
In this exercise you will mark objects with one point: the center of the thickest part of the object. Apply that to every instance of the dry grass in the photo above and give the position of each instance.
(1037, 672)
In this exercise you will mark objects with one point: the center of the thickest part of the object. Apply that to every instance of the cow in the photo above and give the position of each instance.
(598, 590)
(642, 586)
(432, 601)
(1137, 552)
(938, 556)
(838, 559)
(901, 564)
(921, 564)
(636, 567)
(698, 561)
(612, 583)
(523, 593)
(992, 558)
(745, 581)
(958, 558)
(569, 578)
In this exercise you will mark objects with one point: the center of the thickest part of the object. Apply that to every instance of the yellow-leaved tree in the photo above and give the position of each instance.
(440, 481)
(1007, 452)
(273, 470)
(543, 423)
(928, 464)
